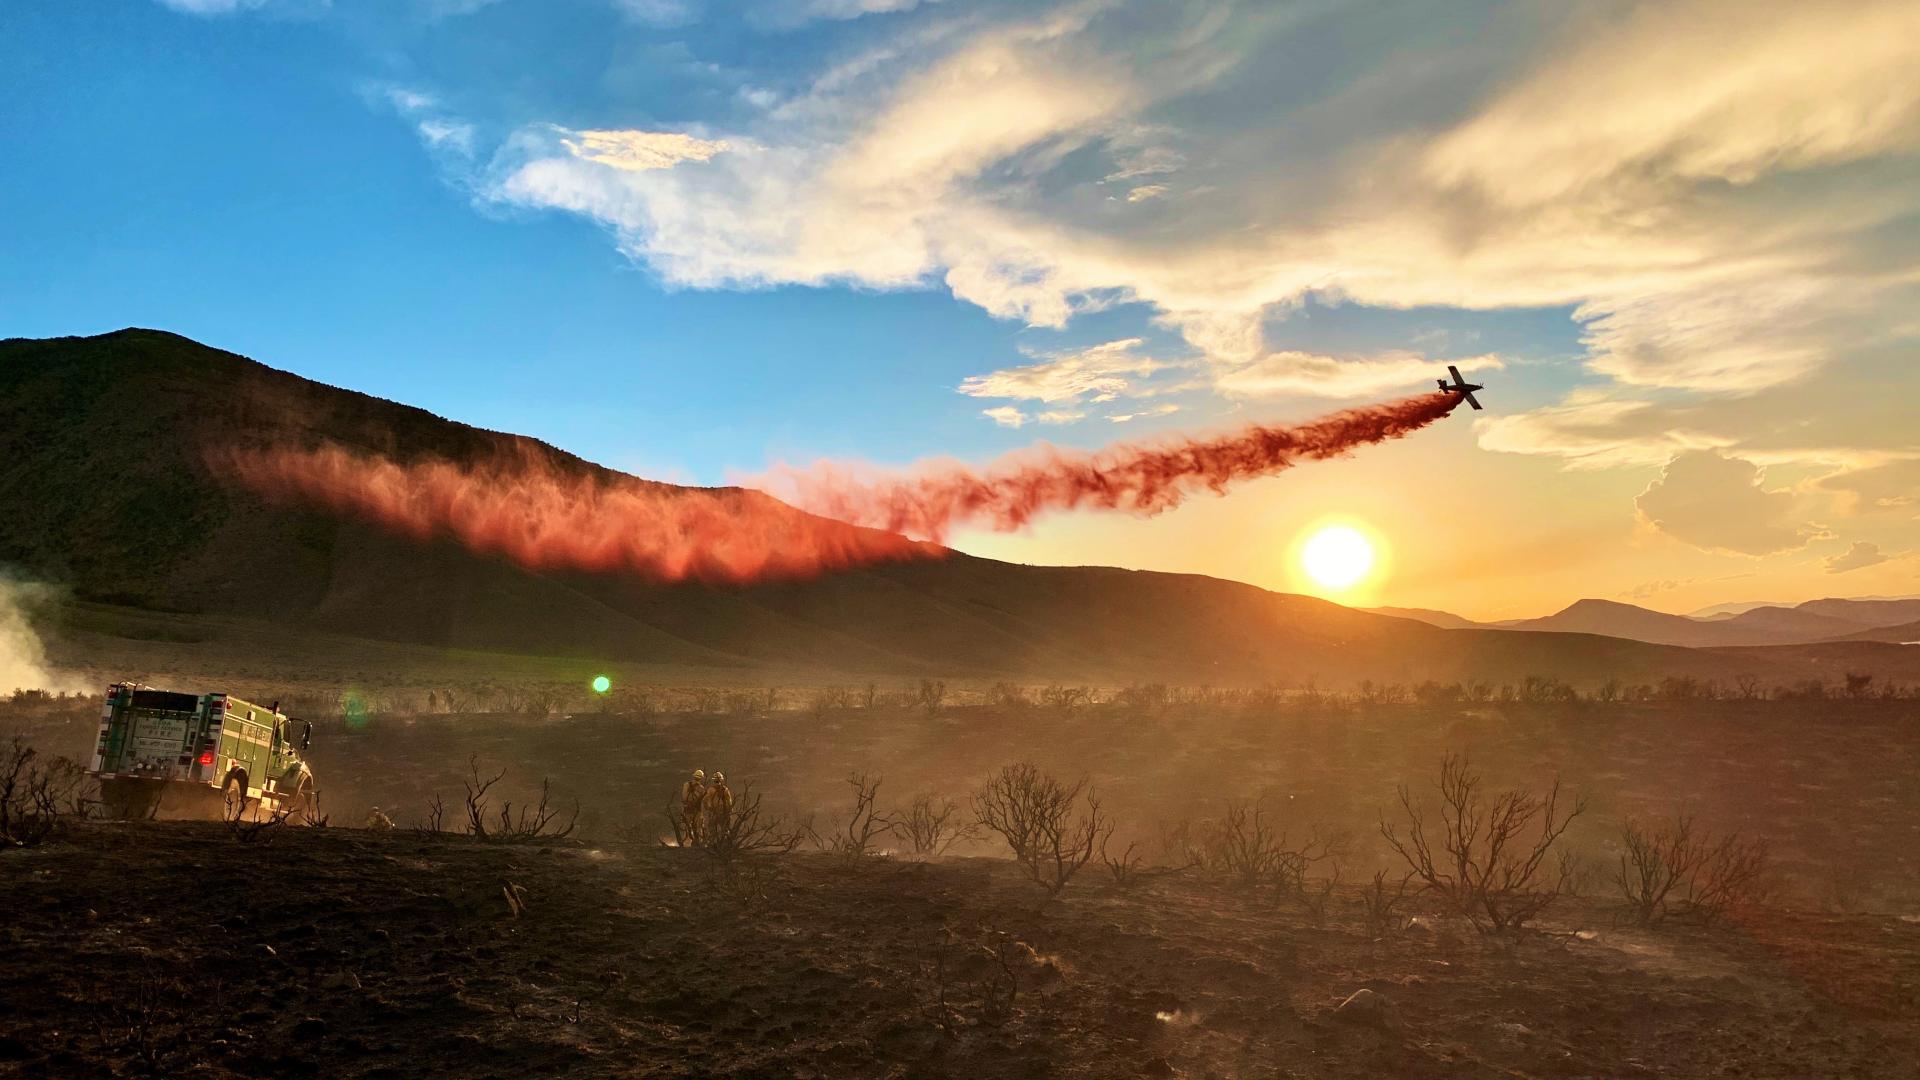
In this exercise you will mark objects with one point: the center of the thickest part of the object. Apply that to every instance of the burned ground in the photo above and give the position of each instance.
(170, 947)
(1832, 786)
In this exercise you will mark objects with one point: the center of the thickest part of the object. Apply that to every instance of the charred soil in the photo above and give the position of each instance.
(171, 948)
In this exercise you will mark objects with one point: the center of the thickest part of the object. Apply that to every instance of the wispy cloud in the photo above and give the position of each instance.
(638, 151)
(439, 130)
(1164, 409)
(1315, 375)
(1098, 373)
(212, 7)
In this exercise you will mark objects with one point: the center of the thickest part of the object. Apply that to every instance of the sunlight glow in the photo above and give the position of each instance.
(1337, 557)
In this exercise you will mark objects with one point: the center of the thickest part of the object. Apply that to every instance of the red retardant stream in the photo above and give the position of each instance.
(543, 517)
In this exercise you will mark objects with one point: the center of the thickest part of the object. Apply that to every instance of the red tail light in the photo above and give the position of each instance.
(206, 757)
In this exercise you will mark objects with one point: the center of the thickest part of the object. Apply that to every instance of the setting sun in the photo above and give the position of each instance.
(1337, 557)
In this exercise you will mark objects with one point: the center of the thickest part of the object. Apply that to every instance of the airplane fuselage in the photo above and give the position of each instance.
(1460, 386)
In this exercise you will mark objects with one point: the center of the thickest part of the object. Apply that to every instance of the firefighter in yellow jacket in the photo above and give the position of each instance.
(693, 797)
(718, 806)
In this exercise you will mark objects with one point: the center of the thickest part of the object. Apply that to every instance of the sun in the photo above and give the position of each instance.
(1337, 557)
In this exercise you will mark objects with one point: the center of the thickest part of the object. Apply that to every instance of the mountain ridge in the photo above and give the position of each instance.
(105, 486)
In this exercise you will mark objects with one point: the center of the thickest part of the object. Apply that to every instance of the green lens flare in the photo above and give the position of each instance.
(601, 684)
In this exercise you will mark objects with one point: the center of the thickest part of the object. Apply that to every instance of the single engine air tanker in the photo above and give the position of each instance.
(1459, 386)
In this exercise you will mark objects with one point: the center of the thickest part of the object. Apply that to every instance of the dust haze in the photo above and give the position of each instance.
(23, 655)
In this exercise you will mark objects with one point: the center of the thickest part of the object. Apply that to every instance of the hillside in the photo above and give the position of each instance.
(1869, 613)
(1902, 633)
(105, 488)
(1445, 620)
(1762, 625)
(1625, 620)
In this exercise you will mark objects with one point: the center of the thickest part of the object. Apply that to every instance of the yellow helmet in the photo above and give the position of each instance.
(719, 778)
(699, 774)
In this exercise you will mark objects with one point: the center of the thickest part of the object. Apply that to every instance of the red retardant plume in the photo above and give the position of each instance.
(1145, 479)
(545, 517)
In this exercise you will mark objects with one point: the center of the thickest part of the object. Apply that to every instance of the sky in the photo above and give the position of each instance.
(1678, 241)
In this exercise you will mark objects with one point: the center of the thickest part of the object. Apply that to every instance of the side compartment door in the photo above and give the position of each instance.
(243, 746)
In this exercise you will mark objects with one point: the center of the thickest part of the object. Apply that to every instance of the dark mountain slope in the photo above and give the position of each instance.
(105, 486)
(1869, 613)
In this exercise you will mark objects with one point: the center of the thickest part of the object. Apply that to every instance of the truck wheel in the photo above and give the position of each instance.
(306, 805)
(233, 797)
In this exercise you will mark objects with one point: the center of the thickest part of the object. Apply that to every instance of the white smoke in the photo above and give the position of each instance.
(23, 657)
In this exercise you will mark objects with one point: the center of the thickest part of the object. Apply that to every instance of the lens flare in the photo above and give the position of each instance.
(602, 684)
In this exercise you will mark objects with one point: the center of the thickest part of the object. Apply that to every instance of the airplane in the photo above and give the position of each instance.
(1461, 387)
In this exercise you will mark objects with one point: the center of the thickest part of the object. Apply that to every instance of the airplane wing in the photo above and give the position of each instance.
(1471, 400)
(1455, 372)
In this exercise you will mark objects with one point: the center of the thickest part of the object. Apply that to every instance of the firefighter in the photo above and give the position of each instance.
(718, 806)
(693, 795)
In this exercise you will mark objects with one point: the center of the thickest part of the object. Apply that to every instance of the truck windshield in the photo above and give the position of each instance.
(165, 699)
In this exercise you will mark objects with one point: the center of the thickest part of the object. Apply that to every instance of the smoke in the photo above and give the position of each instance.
(541, 516)
(932, 500)
(23, 658)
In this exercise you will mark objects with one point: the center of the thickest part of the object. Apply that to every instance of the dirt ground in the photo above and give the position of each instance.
(173, 948)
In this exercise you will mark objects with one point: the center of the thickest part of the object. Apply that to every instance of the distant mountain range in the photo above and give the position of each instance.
(1833, 619)
(105, 488)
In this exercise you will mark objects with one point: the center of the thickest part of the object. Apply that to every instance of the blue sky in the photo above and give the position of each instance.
(243, 180)
(690, 240)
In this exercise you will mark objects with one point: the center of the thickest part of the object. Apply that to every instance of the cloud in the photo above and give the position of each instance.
(1858, 557)
(1690, 225)
(453, 135)
(1155, 410)
(638, 151)
(212, 7)
(1597, 432)
(1732, 216)
(442, 133)
(1101, 373)
(1893, 484)
(1715, 503)
(850, 9)
(430, 9)
(663, 13)
(1746, 90)
(1010, 416)
(1298, 373)
(1647, 590)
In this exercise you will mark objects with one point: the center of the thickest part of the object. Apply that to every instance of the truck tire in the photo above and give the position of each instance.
(305, 805)
(233, 798)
